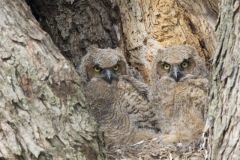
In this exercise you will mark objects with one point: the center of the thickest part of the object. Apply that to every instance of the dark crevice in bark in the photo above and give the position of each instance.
(192, 26)
(74, 26)
(234, 83)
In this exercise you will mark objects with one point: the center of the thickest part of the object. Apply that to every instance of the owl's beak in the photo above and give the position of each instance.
(176, 73)
(107, 75)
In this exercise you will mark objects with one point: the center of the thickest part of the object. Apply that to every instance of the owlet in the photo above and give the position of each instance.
(113, 97)
(179, 93)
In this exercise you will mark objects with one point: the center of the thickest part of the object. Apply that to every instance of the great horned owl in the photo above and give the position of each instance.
(179, 93)
(113, 98)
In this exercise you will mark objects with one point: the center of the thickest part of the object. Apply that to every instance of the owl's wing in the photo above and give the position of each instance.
(137, 104)
(140, 86)
(198, 95)
(135, 73)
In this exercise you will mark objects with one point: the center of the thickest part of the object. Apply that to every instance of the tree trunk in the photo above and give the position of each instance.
(225, 95)
(42, 110)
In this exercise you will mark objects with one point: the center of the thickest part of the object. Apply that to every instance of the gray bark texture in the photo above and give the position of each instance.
(224, 141)
(42, 110)
(74, 25)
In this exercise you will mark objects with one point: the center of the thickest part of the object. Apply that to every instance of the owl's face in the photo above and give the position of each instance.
(176, 70)
(105, 64)
(179, 63)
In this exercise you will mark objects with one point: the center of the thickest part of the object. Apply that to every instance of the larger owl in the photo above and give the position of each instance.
(179, 93)
(114, 101)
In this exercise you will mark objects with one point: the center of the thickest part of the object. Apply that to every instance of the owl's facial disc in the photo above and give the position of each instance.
(176, 73)
(177, 70)
(108, 75)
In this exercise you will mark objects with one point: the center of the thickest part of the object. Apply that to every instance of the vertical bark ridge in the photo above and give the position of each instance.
(225, 100)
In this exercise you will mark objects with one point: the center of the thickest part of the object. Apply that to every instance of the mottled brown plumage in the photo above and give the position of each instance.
(113, 97)
(179, 93)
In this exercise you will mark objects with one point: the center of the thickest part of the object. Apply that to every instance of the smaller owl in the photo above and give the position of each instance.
(179, 93)
(115, 98)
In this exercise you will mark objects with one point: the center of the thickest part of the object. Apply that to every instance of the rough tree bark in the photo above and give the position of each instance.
(225, 93)
(74, 25)
(42, 110)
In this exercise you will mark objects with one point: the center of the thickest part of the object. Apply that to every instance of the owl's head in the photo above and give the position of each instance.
(107, 64)
(179, 63)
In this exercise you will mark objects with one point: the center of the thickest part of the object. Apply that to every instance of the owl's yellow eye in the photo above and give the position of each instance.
(116, 67)
(166, 66)
(184, 64)
(97, 69)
